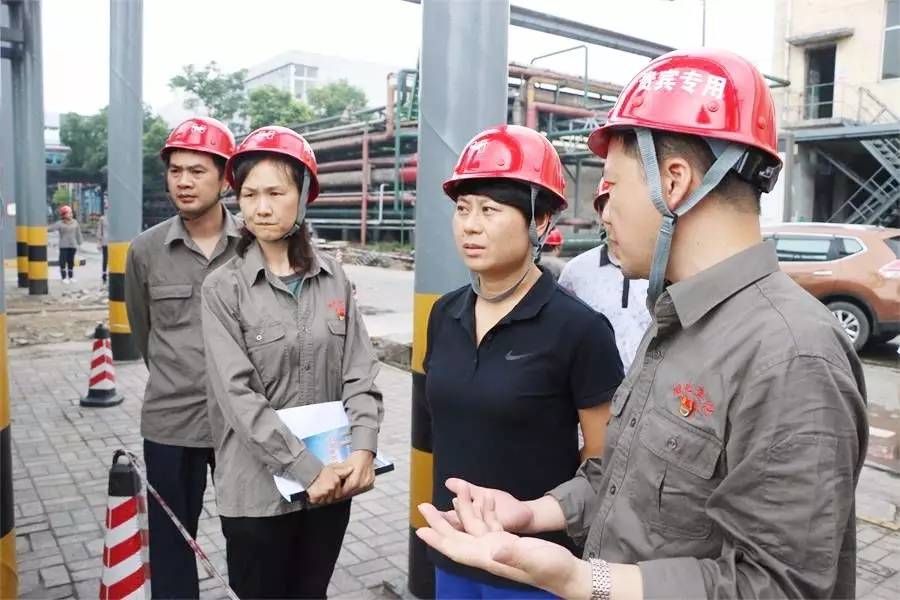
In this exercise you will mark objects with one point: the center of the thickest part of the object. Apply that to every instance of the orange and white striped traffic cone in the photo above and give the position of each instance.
(124, 570)
(102, 385)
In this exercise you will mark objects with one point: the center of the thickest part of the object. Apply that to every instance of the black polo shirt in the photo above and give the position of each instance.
(505, 413)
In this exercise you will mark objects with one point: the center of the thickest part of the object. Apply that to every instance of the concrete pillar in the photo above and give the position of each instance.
(125, 162)
(31, 152)
(9, 579)
(7, 154)
(787, 175)
(803, 195)
(463, 91)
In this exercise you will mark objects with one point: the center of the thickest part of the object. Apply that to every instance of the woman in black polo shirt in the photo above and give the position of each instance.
(514, 363)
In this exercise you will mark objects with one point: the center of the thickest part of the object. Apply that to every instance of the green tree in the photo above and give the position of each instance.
(222, 93)
(155, 133)
(87, 137)
(334, 98)
(60, 196)
(268, 105)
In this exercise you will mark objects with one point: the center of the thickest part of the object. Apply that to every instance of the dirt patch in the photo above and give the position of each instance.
(67, 315)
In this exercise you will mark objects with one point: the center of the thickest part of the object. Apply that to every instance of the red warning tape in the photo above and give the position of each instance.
(198, 551)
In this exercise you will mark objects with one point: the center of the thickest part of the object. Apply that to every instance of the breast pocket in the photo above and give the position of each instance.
(675, 477)
(337, 335)
(267, 350)
(171, 305)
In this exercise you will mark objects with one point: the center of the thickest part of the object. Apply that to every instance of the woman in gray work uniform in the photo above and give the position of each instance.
(281, 329)
(70, 240)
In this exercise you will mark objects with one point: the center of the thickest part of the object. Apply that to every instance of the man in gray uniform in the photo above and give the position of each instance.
(165, 270)
(737, 438)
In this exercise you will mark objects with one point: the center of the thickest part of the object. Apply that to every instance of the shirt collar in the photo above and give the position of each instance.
(255, 263)
(696, 296)
(177, 230)
(528, 307)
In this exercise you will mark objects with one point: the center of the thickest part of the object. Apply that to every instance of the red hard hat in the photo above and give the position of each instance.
(278, 140)
(601, 193)
(709, 93)
(201, 134)
(554, 238)
(511, 152)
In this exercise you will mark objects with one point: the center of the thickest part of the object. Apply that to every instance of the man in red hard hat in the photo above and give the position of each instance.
(165, 268)
(736, 440)
(551, 257)
(595, 277)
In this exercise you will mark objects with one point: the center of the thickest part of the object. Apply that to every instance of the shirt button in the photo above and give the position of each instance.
(672, 443)
(656, 354)
(632, 422)
(612, 490)
(592, 555)
(259, 338)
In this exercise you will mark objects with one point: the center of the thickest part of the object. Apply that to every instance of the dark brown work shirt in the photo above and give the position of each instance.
(734, 446)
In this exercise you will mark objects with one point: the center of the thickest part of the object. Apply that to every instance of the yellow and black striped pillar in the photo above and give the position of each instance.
(472, 42)
(37, 260)
(125, 164)
(421, 463)
(22, 255)
(9, 579)
(123, 346)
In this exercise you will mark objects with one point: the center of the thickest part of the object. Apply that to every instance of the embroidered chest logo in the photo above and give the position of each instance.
(692, 398)
(339, 308)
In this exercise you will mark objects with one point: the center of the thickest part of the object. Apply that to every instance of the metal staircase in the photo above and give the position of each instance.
(876, 200)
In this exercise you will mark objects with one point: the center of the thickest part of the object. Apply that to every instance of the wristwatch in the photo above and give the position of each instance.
(601, 582)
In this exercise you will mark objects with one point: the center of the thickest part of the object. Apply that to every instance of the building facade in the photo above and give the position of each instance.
(298, 72)
(839, 122)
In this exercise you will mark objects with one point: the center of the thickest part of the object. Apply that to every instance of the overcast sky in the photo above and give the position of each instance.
(240, 33)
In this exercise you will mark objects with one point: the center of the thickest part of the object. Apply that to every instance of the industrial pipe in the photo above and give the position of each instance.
(355, 164)
(355, 178)
(572, 112)
(366, 177)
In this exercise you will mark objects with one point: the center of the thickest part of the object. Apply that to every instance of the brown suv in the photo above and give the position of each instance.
(853, 269)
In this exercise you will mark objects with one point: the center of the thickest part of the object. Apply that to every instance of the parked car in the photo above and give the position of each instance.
(853, 269)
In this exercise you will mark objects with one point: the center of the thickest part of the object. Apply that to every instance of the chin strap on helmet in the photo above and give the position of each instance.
(301, 206)
(727, 156)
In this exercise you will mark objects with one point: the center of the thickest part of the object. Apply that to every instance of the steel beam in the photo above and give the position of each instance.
(847, 132)
(538, 21)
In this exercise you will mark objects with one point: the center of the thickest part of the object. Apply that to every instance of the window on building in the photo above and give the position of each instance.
(803, 249)
(304, 78)
(891, 68)
(820, 82)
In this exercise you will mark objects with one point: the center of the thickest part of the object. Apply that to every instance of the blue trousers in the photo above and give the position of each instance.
(179, 475)
(449, 586)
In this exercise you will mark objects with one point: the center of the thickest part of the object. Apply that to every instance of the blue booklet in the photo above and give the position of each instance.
(334, 446)
(325, 431)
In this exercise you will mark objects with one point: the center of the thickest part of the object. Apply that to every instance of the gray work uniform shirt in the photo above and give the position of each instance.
(267, 349)
(163, 275)
(69, 233)
(734, 446)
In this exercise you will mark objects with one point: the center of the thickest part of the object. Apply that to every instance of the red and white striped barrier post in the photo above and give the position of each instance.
(125, 573)
(102, 385)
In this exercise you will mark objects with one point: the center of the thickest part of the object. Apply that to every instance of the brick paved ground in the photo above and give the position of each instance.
(61, 455)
